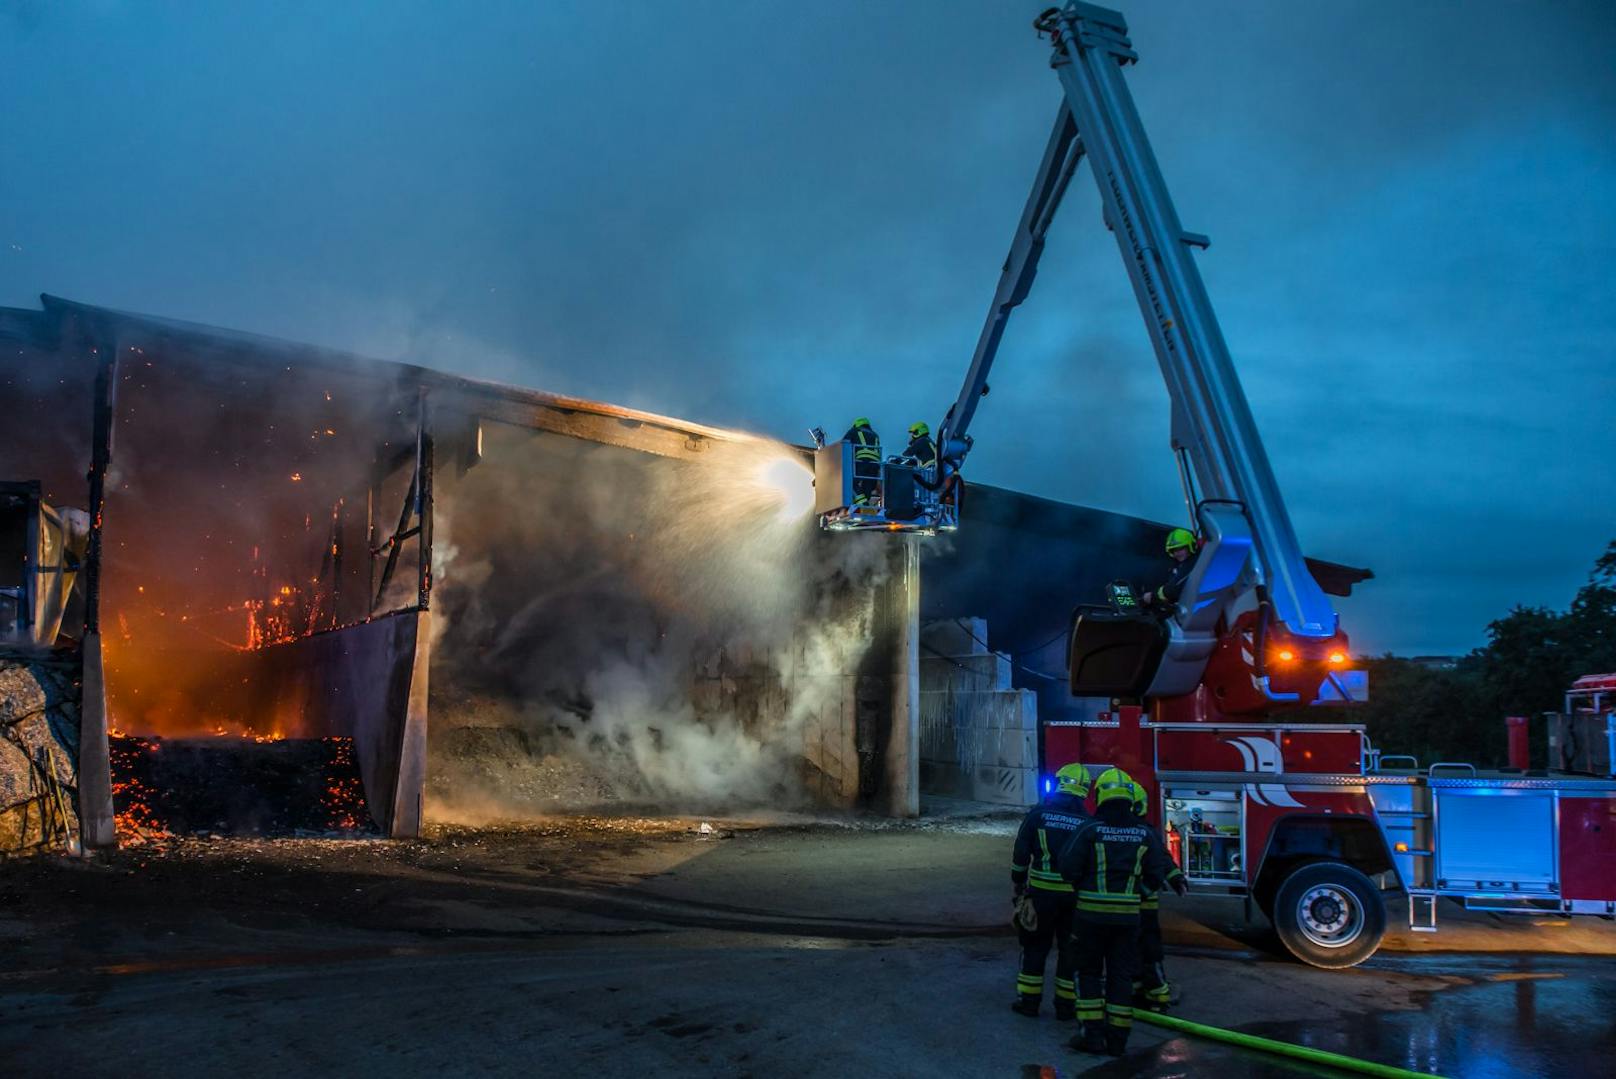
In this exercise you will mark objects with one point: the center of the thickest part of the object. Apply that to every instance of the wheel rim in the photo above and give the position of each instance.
(1330, 916)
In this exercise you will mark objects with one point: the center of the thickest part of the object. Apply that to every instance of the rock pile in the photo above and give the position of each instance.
(39, 734)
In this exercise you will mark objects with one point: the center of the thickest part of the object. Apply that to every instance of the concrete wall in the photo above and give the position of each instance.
(978, 733)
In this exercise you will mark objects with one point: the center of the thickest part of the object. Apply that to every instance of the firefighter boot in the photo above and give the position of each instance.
(1116, 1041)
(1091, 1039)
(1025, 1005)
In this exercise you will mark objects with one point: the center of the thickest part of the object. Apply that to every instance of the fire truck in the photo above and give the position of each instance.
(1214, 691)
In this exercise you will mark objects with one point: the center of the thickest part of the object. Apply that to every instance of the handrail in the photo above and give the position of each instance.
(1451, 764)
(1413, 761)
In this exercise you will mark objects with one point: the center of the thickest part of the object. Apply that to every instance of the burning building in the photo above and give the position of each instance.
(389, 591)
(286, 547)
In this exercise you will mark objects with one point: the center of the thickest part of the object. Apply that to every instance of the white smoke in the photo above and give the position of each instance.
(660, 631)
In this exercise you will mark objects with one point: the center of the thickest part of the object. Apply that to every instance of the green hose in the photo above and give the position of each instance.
(1268, 1045)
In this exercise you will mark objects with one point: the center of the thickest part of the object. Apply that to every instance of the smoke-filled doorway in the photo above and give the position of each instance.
(621, 631)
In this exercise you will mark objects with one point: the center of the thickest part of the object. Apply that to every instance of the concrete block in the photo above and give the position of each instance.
(1016, 709)
(955, 637)
(1004, 786)
(980, 673)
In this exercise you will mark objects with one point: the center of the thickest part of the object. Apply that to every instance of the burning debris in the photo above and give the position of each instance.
(232, 785)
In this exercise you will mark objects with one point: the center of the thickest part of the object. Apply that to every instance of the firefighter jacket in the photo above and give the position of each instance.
(1173, 587)
(866, 443)
(1110, 860)
(921, 452)
(1045, 830)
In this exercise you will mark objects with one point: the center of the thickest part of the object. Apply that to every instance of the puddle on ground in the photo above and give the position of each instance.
(1523, 1022)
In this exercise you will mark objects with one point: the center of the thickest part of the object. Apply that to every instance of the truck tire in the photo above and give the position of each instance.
(1329, 915)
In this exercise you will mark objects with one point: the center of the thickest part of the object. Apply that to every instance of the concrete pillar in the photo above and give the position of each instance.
(901, 781)
(411, 785)
(96, 827)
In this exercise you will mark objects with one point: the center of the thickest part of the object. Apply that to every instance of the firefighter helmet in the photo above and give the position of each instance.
(1113, 783)
(1141, 799)
(1180, 538)
(918, 429)
(862, 421)
(1073, 779)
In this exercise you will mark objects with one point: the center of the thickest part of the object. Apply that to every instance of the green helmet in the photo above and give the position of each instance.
(1113, 783)
(862, 421)
(1180, 538)
(1141, 799)
(1073, 779)
(918, 429)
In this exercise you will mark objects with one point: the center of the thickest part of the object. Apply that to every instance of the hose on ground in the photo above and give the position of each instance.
(1269, 1045)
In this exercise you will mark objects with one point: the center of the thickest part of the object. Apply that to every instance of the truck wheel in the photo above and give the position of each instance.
(1329, 915)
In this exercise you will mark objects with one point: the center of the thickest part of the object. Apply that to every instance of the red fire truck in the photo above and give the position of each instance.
(1301, 815)
(1311, 823)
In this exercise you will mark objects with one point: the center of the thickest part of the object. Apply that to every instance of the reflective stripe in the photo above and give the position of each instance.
(1090, 1008)
(1050, 873)
(1138, 867)
(1051, 886)
(867, 449)
(1014, 868)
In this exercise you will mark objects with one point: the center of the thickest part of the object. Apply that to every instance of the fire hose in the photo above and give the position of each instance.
(1269, 1045)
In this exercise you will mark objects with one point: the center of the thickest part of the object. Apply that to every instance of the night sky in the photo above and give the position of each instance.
(774, 215)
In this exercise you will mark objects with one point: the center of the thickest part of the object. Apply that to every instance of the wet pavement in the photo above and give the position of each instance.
(1524, 1017)
(608, 947)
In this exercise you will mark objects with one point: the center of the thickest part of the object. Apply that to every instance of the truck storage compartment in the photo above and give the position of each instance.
(1495, 840)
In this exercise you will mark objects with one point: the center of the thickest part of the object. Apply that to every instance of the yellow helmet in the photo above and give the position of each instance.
(1113, 783)
(1180, 538)
(1073, 779)
(918, 429)
(1141, 799)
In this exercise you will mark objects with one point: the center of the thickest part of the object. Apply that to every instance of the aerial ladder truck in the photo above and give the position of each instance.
(1301, 816)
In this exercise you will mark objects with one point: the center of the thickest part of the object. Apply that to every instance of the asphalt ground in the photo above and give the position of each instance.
(645, 947)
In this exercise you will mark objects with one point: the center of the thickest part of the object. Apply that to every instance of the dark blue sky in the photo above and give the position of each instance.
(772, 215)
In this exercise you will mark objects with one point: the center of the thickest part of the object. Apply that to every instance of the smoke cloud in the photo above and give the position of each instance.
(612, 627)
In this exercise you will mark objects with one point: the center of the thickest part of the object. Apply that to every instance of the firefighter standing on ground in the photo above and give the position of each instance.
(1107, 860)
(866, 459)
(1043, 897)
(1181, 549)
(1151, 984)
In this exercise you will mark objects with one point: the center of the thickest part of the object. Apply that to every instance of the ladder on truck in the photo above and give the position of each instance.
(1249, 555)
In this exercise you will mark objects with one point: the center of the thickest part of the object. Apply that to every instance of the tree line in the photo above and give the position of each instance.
(1532, 656)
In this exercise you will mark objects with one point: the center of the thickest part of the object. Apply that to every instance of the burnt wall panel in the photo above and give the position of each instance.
(354, 683)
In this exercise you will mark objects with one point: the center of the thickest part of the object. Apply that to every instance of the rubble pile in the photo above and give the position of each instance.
(39, 725)
(233, 785)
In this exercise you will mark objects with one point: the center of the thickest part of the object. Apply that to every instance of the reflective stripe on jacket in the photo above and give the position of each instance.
(1111, 861)
(1045, 831)
(866, 443)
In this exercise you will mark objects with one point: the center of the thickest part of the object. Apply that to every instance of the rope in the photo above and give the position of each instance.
(1279, 1048)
